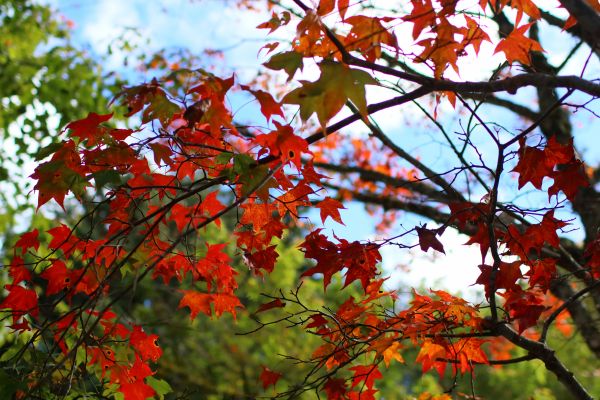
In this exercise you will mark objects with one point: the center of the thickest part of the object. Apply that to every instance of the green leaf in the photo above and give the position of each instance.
(289, 61)
(160, 386)
(160, 108)
(48, 150)
(3, 174)
(242, 163)
(326, 96)
(252, 177)
(110, 176)
(9, 386)
(223, 158)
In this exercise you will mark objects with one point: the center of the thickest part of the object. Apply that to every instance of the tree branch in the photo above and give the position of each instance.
(548, 357)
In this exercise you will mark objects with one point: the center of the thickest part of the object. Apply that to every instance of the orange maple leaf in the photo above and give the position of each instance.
(516, 46)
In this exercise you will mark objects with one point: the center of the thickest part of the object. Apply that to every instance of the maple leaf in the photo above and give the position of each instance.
(18, 272)
(196, 301)
(429, 355)
(507, 276)
(60, 235)
(268, 105)
(569, 179)
(263, 259)
(469, 353)
(367, 374)
(146, 345)
(275, 22)
(162, 154)
(422, 16)
(524, 307)
(55, 179)
(481, 237)
(21, 301)
(342, 6)
(137, 390)
(532, 166)
(294, 198)
(277, 303)
(215, 267)
(268, 377)
(516, 46)
(58, 277)
(368, 35)
(391, 353)
(326, 96)
(290, 62)
(132, 384)
(473, 34)
(257, 215)
(28, 240)
(335, 388)
(330, 208)
(527, 7)
(224, 302)
(88, 128)
(284, 143)
(558, 153)
(542, 273)
(104, 356)
(317, 321)
(325, 7)
(592, 254)
(160, 108)
(427, 239)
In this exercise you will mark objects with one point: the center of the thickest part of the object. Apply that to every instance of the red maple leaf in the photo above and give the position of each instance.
(367, 374)
(429, 355)
(146, 345)
(569, 179)
(557, 153)
(197, 302)
(330, 208)
(225, 302)
(532, 166)
(18, 272)
(268, 377)
(277, 303)
(481, 237)
(268, 105)
(28, 240)
(592, 254)
(21, 301)
(506, 276)
(137, 390)
(524, 307)
(131, 383)
(88, 128)
(262, 259)
(58, 277)
(162, 154)
(428, 239)
(59, 234)
(284, 143)
(335, 388)
(422, 16)
(516, 46)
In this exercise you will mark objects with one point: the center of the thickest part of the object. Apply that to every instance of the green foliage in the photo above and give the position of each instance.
(45, 83)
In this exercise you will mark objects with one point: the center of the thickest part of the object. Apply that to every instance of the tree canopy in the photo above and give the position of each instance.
(437, 115)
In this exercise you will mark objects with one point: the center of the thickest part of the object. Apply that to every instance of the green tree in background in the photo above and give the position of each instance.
(45, 82)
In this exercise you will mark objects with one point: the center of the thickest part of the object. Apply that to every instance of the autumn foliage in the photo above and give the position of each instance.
(151, 193)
